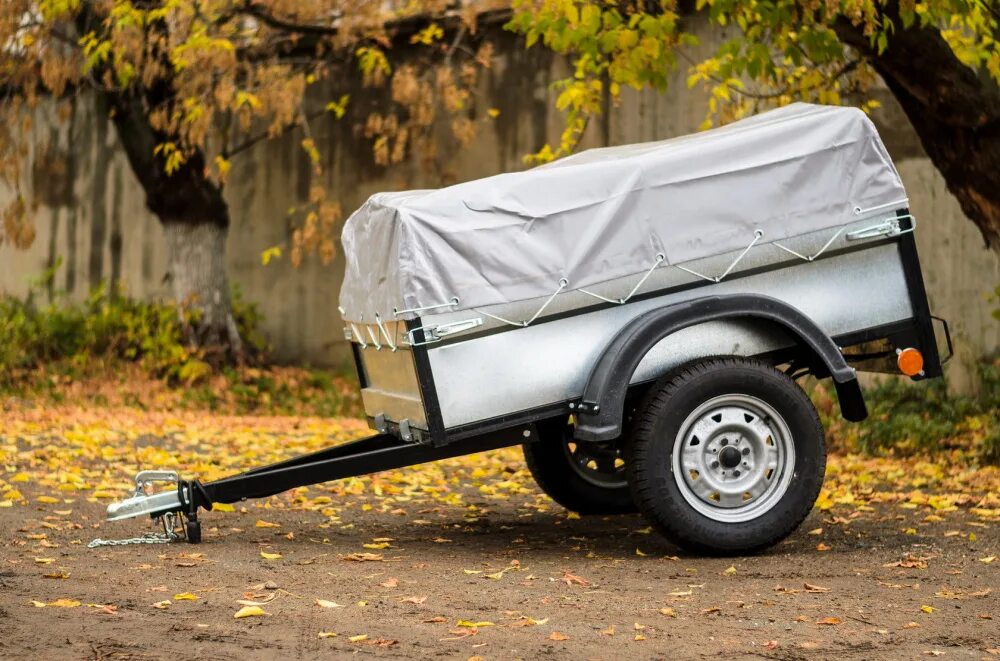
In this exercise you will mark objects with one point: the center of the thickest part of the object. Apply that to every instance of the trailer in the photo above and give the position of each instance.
(636, 318)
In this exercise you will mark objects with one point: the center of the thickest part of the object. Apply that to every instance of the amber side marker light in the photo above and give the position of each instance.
(910, 361)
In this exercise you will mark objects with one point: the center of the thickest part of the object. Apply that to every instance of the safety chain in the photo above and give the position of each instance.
(166, 537)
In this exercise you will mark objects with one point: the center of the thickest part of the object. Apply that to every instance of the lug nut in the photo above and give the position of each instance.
(736, 473)
(715, 464)
(746, 451)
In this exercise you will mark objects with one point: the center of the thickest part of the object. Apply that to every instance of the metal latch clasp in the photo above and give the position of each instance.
(889, 227)
(434, 334)
(145, 479)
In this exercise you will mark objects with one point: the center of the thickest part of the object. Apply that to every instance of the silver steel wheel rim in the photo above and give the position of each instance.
(733, 458)
(599, 464)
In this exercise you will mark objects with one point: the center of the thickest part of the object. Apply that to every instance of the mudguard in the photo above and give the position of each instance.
(601, 410)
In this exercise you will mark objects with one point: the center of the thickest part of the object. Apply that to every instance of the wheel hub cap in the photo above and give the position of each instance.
(729, 457)
(733, 458)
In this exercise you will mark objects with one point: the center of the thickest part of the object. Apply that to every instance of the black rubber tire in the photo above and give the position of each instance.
(549, 465)
(650, 441)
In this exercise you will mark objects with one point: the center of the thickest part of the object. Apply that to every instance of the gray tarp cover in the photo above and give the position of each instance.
(606, 213)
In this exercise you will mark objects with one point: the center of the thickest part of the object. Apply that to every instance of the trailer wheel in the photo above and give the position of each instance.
(726, 457)
(583, 477)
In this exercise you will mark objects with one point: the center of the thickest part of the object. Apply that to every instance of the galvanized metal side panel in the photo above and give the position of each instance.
(524, 368)
(393, 388)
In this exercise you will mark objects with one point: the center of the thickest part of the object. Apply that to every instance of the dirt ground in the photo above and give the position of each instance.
(405, 564)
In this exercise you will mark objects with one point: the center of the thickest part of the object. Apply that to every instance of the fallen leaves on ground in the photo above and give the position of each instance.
(363, 557)
(58, 603)
(474, 625)
(53, 459)
(249, 611)
(573, 579)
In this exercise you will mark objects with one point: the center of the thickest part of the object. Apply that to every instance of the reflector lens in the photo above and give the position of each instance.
(910, 361)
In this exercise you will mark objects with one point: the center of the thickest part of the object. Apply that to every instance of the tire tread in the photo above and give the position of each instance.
(644, 484)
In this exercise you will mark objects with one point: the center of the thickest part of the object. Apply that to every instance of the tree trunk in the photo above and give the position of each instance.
(197, 274)
(195, 220)
(954, 111)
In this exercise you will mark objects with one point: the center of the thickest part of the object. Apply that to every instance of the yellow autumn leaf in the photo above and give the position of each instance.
(45, 561)
(222, 507)
(323, 603)
(474, 625)
(249, 611)
(988, 559)
(64, 603)
(270, 556)
(162, 605)
(185, 596)
(639, 552)
(358, 638)
(927, 609)
(327, 634)
(266, 524)
(377, 545)
(730, 571)
(48, 500)
(532, 622)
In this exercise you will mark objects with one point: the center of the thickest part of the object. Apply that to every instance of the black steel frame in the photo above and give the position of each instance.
(368, 455)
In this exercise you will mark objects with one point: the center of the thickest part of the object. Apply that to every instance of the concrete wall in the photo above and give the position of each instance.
(93, 213)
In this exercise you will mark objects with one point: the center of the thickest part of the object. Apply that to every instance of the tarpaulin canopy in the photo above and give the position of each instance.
(607, 213)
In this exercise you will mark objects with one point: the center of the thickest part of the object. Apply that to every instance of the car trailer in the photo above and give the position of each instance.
(635, 317)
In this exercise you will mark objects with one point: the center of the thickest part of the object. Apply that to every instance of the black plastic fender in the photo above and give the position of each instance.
(602, 406)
